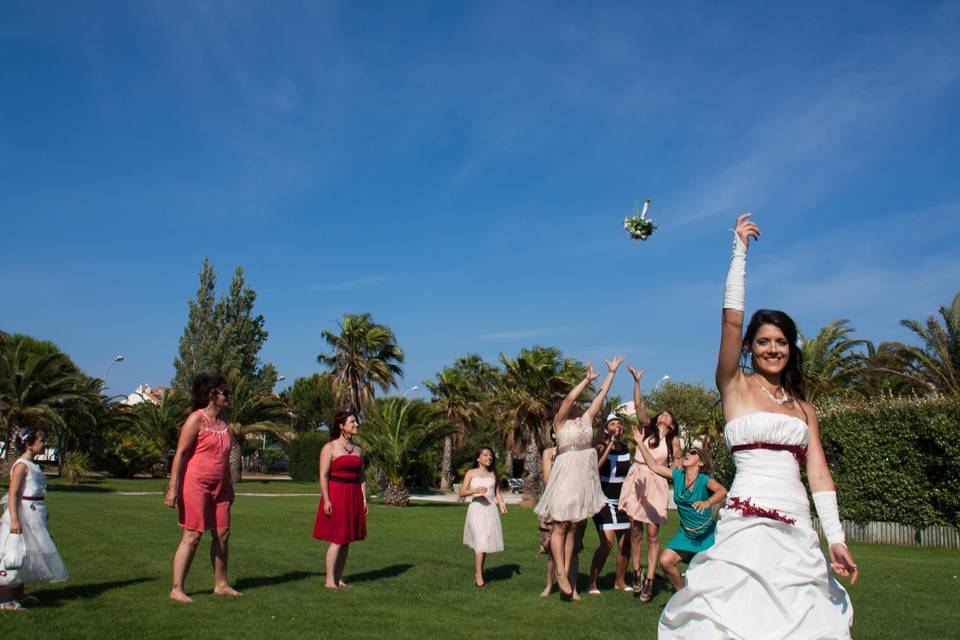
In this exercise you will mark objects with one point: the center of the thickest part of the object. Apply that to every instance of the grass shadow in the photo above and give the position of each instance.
(392, 571)
(502, 572)
(55, 597)
(255, 582)
(78, 488)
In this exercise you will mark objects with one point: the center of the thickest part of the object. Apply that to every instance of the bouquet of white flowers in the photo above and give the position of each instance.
(638, 225)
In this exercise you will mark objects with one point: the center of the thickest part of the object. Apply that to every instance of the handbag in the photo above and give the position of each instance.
(14, 552)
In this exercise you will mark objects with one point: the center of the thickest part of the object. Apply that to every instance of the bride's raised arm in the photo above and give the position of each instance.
(731, 336)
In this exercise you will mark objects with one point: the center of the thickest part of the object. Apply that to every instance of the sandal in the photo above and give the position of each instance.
(646, 593)
(594, 592)
(637, 580)
(12, 605)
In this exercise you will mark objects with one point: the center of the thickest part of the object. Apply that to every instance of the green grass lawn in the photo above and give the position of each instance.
(411, 578)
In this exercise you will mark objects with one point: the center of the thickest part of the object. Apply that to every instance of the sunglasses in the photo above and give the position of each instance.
(222, 392)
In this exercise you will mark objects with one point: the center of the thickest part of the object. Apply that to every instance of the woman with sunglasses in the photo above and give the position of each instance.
(695, 494)
(200, 487)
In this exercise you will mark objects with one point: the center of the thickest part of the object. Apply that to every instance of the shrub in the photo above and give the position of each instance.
(304, 449)
(893, 459)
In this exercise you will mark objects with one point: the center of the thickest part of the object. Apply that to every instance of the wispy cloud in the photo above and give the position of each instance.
(346, 285)
(792, 154)
(524, 334)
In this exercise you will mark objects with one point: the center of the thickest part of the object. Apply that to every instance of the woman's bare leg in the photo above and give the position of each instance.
(182, 559)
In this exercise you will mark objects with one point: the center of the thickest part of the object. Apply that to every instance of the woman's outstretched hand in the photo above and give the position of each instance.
(591, 374)
(635, 373)
(614, 364)
(842, 562)
(747, 229)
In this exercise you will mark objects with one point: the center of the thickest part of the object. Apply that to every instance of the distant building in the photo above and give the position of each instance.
(146, 393)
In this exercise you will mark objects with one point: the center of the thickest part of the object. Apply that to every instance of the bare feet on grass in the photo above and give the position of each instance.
(177, 595)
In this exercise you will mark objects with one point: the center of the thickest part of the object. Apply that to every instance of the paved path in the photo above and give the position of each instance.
(509, 498)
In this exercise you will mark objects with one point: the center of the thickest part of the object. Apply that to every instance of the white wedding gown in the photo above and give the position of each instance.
(766, 576)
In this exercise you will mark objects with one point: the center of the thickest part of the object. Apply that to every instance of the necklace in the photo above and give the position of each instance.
(779, 401)
(344, 445)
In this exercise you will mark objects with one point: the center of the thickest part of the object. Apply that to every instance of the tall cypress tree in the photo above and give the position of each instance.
(223, 337)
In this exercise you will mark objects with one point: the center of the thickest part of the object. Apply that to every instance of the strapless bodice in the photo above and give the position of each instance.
(769, 478)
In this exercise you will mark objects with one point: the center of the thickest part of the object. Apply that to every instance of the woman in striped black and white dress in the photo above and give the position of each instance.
(613, 525)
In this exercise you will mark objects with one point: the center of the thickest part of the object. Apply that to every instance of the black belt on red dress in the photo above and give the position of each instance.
(798, 452)
(355, 480)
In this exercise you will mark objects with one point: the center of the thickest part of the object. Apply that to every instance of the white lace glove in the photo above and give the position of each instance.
(733, 293)
(829, 514)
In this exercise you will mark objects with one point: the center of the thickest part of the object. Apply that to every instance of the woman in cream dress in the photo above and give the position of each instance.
(573, 492)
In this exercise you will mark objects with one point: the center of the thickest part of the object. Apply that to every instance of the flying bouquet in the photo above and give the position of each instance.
(638, 225)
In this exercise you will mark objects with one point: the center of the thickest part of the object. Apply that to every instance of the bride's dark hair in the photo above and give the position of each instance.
(792, 377)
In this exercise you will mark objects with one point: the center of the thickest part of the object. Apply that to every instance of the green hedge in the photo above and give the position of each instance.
(893, 459)
(304, 450)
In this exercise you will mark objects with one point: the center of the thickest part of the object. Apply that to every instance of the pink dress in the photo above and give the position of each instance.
(205, 491)
(644, 495)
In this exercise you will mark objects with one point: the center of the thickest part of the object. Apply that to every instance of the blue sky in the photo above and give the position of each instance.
(462, 170)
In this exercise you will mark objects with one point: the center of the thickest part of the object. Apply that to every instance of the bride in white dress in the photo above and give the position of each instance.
(766, 576)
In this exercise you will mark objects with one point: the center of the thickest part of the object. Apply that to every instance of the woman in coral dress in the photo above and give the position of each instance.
(200, 487)
(765, 575)
(645, 495)
(342, 513)
(573, 492)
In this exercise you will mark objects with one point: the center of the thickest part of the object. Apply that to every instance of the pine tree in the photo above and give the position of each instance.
(224, 336)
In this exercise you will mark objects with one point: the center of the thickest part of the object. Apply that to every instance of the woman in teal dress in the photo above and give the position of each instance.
(695, 494)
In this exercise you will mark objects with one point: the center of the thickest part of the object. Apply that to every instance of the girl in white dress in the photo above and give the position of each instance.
(766, 576)
(26, 516)
(482, 531)
(573, 491)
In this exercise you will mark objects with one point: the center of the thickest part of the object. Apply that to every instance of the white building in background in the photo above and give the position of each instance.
(146, 393)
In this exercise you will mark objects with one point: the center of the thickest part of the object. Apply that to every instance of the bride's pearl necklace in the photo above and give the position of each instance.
(780, 401)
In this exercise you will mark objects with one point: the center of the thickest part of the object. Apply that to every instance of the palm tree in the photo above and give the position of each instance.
(252, 412)
(936, 363)
(453, 401)
(159, 423)
(394, 435)
(831, 360)
(531, 383)
(886, 371)
(37, 382)
(364, 355)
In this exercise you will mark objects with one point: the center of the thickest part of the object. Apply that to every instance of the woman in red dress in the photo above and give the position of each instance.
(342, 514)
(200, 486)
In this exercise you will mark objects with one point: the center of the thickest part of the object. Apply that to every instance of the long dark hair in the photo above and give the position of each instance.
(338, 422)
(651, 434)
(792, 377)
(493, 462)
(202, 387)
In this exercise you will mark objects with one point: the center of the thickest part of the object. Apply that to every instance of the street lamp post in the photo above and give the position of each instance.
(413, 388)
(665, 378)
(119, 358)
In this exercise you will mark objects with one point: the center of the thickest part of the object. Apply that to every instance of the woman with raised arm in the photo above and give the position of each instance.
(573, 491)
(645, 495)
(613, 525)
(765, 576)
(695, 495)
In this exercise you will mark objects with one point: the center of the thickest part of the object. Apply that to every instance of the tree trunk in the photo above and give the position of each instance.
(532, 478)
(236, 461)
(446, 474)
(508, 462)
(396, 495)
